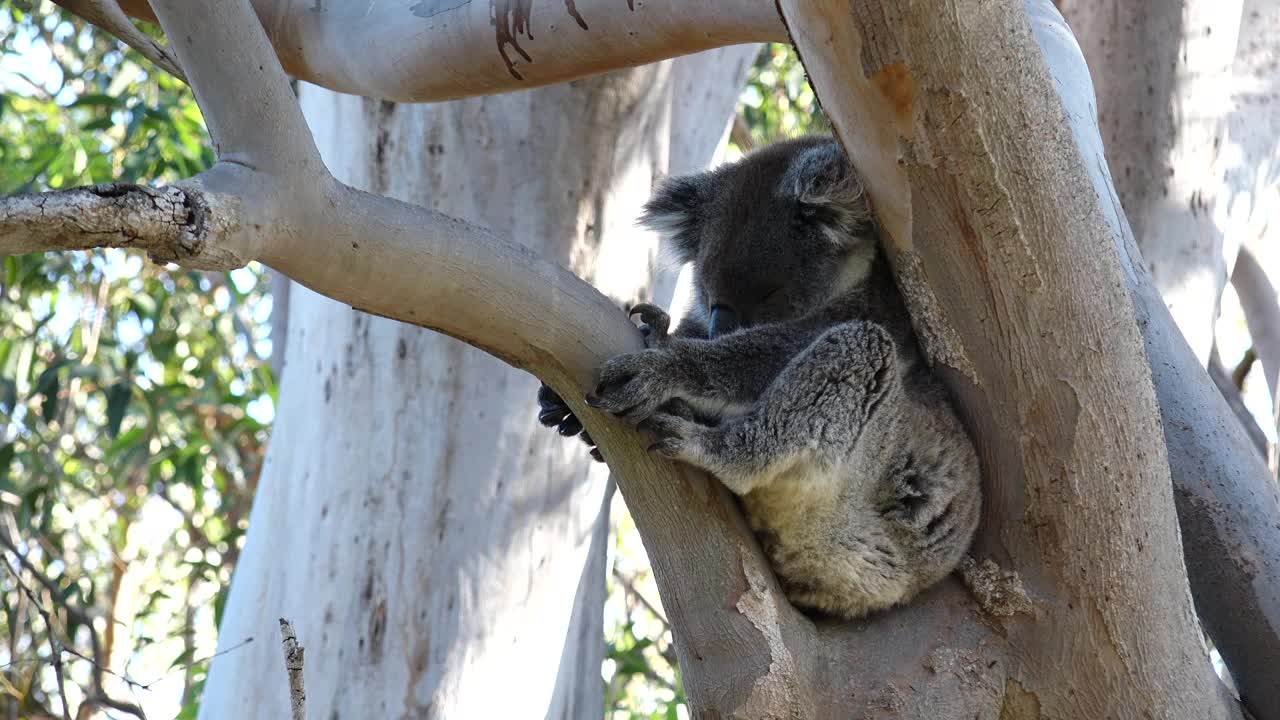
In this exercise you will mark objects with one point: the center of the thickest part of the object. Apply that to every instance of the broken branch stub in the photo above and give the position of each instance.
(180, 224)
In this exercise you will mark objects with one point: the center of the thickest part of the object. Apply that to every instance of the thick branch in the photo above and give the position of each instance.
(427, 50)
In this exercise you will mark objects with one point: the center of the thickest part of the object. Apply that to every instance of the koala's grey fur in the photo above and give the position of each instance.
(818, 410)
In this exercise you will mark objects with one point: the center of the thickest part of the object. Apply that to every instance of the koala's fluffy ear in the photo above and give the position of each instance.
(824, 180)
(673, 213)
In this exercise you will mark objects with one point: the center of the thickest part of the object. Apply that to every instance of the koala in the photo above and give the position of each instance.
(796, 381)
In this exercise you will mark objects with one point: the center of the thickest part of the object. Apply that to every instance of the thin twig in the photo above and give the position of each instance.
(233, 648)
(97, 664)
(628, 584)
(293, 665)
(1241, 370)
(54, 649)
(629, 587)
(740, 134)
(107, 15)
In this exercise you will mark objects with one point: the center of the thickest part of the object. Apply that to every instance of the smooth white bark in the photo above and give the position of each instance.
(449, 539)
(381, 49)
(1163, 72)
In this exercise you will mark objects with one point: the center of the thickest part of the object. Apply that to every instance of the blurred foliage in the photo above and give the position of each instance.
(777, 101)
(642, 679)
(133, 398)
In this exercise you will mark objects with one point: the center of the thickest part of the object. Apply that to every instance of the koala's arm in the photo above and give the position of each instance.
(739, 367)
(553, 412)
(716, 376)
(834, 383)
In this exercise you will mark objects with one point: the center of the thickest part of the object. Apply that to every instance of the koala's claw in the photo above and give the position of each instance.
(656, 323)
(553, 417)
(633, 386)
(556, 414)
(570, 426)
(674, 437)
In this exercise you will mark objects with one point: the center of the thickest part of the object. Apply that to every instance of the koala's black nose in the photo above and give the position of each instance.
(723, 320)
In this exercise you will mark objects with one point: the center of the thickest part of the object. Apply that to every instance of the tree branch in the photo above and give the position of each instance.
(293, 665)
(169, 224)
(107, 15)
(1261, 304)
(430, 50)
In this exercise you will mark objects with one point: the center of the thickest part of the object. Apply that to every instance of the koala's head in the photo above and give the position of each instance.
(772, 236)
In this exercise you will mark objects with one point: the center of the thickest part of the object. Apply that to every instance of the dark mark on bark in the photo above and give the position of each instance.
(573, 12)
(511, 18)
(377, 630)
(429, 8)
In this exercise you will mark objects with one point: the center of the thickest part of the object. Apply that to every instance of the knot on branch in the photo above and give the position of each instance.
(172, 224)
(999, 592)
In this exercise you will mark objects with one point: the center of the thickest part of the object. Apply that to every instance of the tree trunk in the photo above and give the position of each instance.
(1162, 75)
(419, 529)
(1013, 261)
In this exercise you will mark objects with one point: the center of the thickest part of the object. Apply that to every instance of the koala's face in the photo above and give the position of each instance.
(771, 237)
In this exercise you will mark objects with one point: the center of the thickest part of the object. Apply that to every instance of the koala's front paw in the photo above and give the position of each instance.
(655, 324)
(632, 386)
(554, 413)
(676, 436)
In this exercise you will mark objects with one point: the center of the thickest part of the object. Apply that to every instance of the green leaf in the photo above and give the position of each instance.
(97, 100)
(184, 658)
(101, 123)
(125, 441)
(6, 459)
(8, 395)
(47, 388)
(118, 396)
